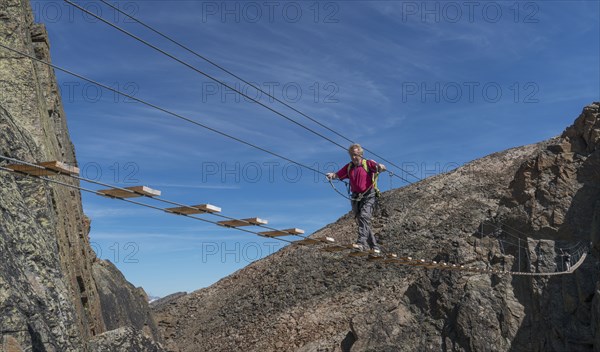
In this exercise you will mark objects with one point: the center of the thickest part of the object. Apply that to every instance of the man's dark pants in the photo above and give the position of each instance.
(363, 212)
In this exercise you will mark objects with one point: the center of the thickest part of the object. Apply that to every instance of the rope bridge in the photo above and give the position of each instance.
(577, 252)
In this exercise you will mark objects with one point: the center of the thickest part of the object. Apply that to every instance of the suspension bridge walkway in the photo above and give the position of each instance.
(327, 244)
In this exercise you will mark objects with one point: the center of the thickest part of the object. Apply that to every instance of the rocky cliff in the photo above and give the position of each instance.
(541, 196)
(55, 295)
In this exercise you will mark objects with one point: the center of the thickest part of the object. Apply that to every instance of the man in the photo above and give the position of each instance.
(566, 258)
(361, 173)
(567, 261)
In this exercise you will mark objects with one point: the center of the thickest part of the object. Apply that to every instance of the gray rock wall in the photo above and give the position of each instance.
(45, 231)
(39, 306)
(124, 339)
(49, 295)
(122, 303)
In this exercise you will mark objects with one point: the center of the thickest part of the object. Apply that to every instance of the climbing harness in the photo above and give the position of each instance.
(349, 196)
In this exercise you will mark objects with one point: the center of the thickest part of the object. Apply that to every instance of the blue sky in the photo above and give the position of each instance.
(429, 85)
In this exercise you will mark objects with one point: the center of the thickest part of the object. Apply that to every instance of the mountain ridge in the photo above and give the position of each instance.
(299, 299)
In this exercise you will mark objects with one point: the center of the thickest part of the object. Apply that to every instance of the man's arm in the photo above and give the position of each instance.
(341, 174)
(376, 167)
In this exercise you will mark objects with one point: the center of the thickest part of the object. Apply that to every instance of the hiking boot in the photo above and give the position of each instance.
(359, 247)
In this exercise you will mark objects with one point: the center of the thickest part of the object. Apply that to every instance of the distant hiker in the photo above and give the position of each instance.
(567, 259)
(363, 185)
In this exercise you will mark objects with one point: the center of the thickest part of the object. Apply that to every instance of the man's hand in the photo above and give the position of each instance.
(381, 167)
(331, 175)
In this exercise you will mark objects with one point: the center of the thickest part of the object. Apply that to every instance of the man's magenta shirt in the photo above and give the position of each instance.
(360, 180)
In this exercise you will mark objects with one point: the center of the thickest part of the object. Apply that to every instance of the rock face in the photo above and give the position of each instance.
(124, 339)
(51, 298)
(556, 195)
(122, 303)
(541, 196)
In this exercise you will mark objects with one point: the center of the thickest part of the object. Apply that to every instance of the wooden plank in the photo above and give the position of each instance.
(136, 191)
(52, 168)
(30, 170)
(195, 209)
(146, 191)
(432, 264)
(243, 222)
(356, 247)
(374, 258)
(333, 249)
(391, 258)
(420, 262)
(307, 241)
(256, 221)
(286, 232)
(61, 167)
(294, 231)
(276, 233)
(118, 193)
(358, 254)
(234, 223)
